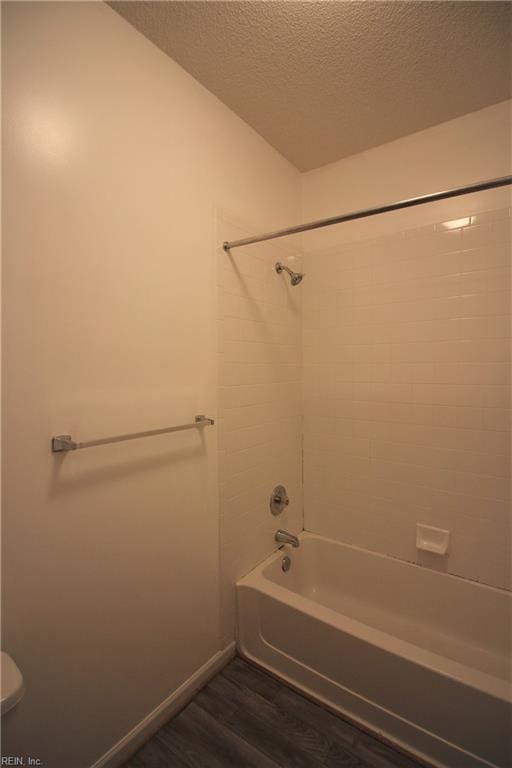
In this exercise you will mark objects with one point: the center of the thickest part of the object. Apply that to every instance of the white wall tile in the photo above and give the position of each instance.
(407, 392)
(260, 406)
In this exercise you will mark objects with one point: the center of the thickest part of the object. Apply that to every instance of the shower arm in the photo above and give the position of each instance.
(431, 198)
(280, 267)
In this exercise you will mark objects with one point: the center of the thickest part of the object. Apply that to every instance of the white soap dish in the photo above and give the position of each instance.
(432, 539)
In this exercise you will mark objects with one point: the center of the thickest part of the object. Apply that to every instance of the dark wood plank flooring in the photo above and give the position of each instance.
(245, 718)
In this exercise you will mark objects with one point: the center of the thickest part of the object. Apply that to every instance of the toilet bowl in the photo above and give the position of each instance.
(12, 683)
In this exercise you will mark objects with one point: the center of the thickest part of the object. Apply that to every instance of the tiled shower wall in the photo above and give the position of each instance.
(260, 409)
(407, 393)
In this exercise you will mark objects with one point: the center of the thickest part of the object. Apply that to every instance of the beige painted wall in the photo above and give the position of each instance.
(114, 163)
(407, 351)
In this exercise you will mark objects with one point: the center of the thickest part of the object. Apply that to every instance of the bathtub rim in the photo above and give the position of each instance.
(256, 579)
(310, 535)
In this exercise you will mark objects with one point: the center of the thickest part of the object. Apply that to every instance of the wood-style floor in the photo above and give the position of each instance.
(244, 718)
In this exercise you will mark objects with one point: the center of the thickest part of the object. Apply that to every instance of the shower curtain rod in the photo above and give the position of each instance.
(480, 187)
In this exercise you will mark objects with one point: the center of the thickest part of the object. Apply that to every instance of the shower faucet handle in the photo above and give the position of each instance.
(279, 499)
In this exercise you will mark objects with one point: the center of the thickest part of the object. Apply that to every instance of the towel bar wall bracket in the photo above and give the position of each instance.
(64, 443)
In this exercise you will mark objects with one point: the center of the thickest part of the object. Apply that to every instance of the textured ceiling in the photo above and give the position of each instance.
(323, 80)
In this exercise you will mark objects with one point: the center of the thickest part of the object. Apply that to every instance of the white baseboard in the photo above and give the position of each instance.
(128, 745)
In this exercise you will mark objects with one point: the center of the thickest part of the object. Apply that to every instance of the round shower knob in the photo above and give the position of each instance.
(278, 500)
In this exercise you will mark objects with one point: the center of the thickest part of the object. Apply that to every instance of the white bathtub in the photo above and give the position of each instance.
(420, 657)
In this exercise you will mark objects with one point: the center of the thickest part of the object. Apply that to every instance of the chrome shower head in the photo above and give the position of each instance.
(295, 277)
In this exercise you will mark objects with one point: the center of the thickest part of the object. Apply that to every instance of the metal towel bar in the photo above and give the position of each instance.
(63, 443)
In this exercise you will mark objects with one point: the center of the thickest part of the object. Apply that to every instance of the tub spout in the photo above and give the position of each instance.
(283, 537)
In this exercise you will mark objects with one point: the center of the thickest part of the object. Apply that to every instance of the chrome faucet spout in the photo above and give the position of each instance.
(283, 537)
